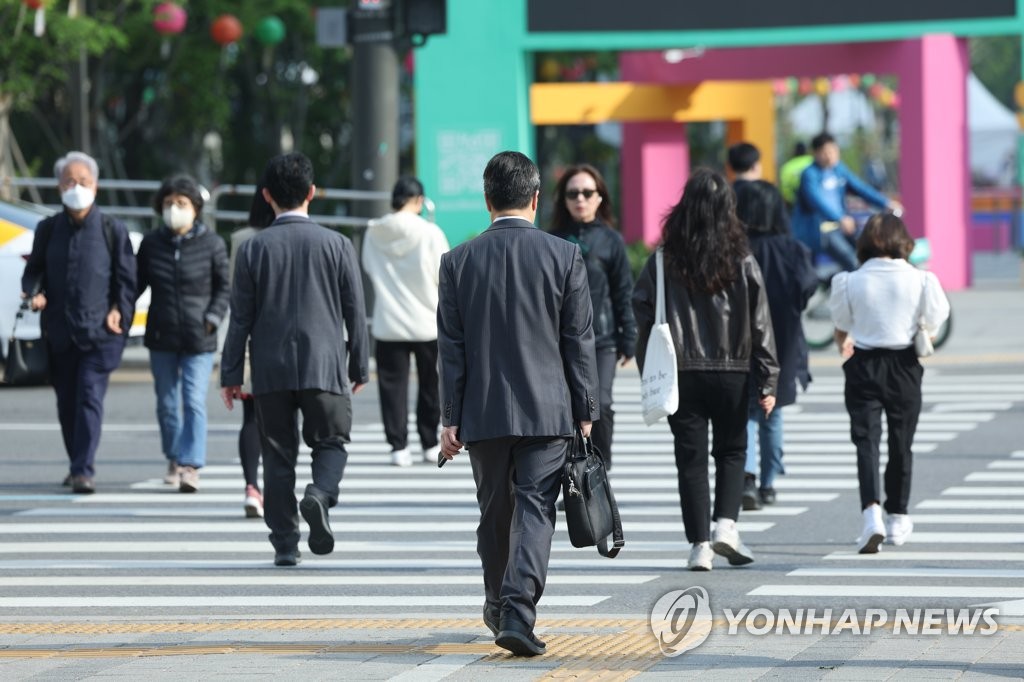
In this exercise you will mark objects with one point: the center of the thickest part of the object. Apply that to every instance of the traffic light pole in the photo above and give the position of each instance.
(375, 71)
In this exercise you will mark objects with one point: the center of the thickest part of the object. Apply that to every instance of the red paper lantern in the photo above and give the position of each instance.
(33, 4)
(169, 18)
(226, 29)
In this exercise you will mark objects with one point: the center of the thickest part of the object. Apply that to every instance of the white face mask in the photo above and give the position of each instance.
(78, 198)
(179, 219)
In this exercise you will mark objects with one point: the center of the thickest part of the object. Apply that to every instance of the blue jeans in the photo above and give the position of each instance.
(181, 381)
(840, 247)
(769, 443)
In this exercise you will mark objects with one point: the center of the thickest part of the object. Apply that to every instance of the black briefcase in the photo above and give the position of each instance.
(591, 514)
(28, 360)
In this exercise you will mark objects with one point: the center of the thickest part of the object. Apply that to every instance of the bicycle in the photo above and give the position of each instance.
(817, 318)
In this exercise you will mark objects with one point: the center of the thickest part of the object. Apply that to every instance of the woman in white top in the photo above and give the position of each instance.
(877, 309)
(402, 257)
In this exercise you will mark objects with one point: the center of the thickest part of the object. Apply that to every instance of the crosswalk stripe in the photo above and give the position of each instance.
(1012, 464)
(922, 572)
(344, 513)
(970, 504)
(241, 527)
(419, 564)
(994, 476)
(192, 601)
(561, 544)
(994, 519)
(291, 579)
(901, 591)
(902, 554)
(984, 490)
(172, 497)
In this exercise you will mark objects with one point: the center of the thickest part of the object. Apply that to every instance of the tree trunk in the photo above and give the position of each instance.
(7, 191)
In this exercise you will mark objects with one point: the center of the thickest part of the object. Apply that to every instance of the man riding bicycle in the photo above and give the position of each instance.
(820, 218)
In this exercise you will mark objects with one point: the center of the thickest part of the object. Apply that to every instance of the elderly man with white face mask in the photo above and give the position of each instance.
(81, 274)
(185, 264)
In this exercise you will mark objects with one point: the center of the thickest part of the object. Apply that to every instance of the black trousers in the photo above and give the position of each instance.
(80, 379)
(601, 432)
(721, 398)
(393, 379)
(889, 381)
(517, 482)
(326, 424)
(249, 443)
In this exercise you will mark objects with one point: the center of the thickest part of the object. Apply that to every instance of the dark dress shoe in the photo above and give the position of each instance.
(492, 618)
(288, 558)
(767, 495)
(314, 510)
(519, 639)
(67, 481)
(82, 484)
(750, 497)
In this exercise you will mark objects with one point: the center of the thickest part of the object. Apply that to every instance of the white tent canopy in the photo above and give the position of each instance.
(993, 128)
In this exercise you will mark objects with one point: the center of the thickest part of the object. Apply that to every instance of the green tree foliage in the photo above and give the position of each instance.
(195, 106)
(996, 62)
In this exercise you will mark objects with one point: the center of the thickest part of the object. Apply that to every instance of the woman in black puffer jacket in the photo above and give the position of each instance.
(185, 264)
(583, 215)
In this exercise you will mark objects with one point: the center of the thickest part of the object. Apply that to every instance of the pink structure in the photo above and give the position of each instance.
(934, 175)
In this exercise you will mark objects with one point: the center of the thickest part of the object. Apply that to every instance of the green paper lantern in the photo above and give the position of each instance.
(270, 30)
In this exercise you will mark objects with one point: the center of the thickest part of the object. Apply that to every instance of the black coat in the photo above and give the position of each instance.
(188, 280)
(296, 291)
(611, 284)
(514, 335)
(789, 280)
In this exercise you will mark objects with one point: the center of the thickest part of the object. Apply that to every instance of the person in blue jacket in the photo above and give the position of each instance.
(820, 218)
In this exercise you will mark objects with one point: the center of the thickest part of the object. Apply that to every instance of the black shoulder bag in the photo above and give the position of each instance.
(28, 360)
(590, 510)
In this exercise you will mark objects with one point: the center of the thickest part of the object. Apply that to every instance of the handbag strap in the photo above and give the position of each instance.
(659, 301)
(923, 300)
(17, 318)
(617, 538)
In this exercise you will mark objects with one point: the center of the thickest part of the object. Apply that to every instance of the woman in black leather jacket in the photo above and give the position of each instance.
(583, 215)
(718, 313)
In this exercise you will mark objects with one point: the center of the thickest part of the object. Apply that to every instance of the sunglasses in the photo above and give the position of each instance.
(573, 194)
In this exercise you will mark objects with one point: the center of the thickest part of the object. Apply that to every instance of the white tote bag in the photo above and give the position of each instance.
(659, 385)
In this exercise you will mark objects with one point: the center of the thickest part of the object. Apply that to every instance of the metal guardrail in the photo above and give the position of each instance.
(211, 214)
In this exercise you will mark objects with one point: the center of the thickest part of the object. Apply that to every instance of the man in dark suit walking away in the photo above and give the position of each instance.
(518, 374)
(296, 289)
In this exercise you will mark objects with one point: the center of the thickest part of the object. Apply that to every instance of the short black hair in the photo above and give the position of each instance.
(511, 180)
(742, 157)
(184, 185)
(405, 189)
(820, 140)
(884, 236)
(288, 178)
(799, 149)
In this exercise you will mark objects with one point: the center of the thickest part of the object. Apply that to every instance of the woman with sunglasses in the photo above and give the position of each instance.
(583, 215)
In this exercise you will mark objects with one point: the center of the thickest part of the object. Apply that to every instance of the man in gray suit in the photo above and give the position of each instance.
(296, 289)
(518, 374)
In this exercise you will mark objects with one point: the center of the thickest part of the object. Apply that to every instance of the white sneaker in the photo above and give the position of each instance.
(401, 458)
(430, 454)
(898, 528)
(700, 557)
(726, 541)
(873, 533)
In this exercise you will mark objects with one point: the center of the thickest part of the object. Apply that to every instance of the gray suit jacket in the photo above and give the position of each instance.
(295, 288)
(514, 335)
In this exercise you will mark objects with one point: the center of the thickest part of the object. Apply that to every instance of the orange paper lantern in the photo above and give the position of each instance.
(226, 29)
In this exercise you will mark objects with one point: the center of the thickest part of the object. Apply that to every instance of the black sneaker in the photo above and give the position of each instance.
(750, 498)
(767, 495)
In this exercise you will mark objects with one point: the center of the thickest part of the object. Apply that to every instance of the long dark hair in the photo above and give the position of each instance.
(261, 213)
(562, 218)
(703, 239)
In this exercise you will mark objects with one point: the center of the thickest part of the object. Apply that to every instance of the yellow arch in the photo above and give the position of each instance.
(748, 107)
